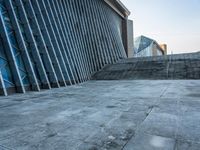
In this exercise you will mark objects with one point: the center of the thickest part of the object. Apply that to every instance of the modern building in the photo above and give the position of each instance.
(144, 46)
(49, 43)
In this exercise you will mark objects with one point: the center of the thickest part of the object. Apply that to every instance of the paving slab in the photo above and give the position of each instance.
(150, 142)
(104, 115)
(187, 145)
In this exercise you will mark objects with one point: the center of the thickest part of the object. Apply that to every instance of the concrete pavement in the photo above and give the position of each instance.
(100, 115)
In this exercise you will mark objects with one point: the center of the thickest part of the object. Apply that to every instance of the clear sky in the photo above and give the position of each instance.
(174, 22)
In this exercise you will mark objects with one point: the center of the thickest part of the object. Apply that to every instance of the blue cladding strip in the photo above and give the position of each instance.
(45, 43)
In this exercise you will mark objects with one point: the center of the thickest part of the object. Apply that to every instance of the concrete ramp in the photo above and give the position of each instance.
(181, 66)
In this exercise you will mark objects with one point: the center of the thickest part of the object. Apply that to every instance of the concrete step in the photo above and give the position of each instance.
(180, 66)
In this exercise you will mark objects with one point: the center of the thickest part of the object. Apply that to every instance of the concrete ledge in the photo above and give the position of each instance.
(182, 66)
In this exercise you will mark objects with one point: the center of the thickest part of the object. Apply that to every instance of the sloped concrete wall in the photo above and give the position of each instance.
(47, 43)
(180, 66)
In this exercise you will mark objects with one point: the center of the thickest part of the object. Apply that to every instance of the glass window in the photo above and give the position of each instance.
(20, 62)
(4, 66)
(2, 55)
(15, 51)
(7, 23)
(6, 18)
(6, 74)
(2, 62)
(2, 7)
(25, 81)
(21, 28)
(8, 84)
(13, 40)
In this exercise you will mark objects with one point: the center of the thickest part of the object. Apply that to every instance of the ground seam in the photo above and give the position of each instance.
(148, 113)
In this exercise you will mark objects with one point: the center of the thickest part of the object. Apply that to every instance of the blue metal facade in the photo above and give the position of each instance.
(53, 43)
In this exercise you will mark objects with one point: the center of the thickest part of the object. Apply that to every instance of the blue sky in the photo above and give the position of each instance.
(174, 22)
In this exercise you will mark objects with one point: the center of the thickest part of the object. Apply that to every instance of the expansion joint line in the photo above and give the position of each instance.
(150, 109)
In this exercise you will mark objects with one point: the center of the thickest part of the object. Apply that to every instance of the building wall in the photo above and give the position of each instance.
(45, 43)
(130, 39)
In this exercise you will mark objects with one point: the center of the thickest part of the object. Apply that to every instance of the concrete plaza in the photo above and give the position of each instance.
(100, 115)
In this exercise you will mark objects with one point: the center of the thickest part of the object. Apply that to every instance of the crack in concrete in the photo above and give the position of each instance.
(176, 145)
(164, 91)
(150, 109)
(10, 105)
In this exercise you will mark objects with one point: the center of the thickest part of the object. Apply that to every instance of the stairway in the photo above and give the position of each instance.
(180, 66)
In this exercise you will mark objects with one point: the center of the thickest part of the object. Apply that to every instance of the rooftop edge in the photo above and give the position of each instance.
(119, 7)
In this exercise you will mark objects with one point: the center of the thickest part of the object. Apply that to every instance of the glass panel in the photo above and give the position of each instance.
(13, 40)
(6, 18)
(2, 62)
(22, 73)
(7, 74)
(37, 74)
(20, 62)
(8, 28)
(15, 51)
(25, 81)
(1, 52)
(8, 24)
(8, 84)
(21, 27)
(27, 45)
(24, 36)
(15, 48)
(1, 8)
(24, 77)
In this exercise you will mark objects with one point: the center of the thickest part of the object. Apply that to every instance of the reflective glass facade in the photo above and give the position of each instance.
(144, 47)
(46, 44)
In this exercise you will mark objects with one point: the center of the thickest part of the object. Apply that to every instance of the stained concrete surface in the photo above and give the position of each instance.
(100, 115)
(179, 66)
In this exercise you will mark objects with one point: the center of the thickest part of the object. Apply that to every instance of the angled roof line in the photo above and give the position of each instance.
(119, 7)
(144, 37)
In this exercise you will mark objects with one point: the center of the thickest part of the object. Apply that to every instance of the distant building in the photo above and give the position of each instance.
(144, 46)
